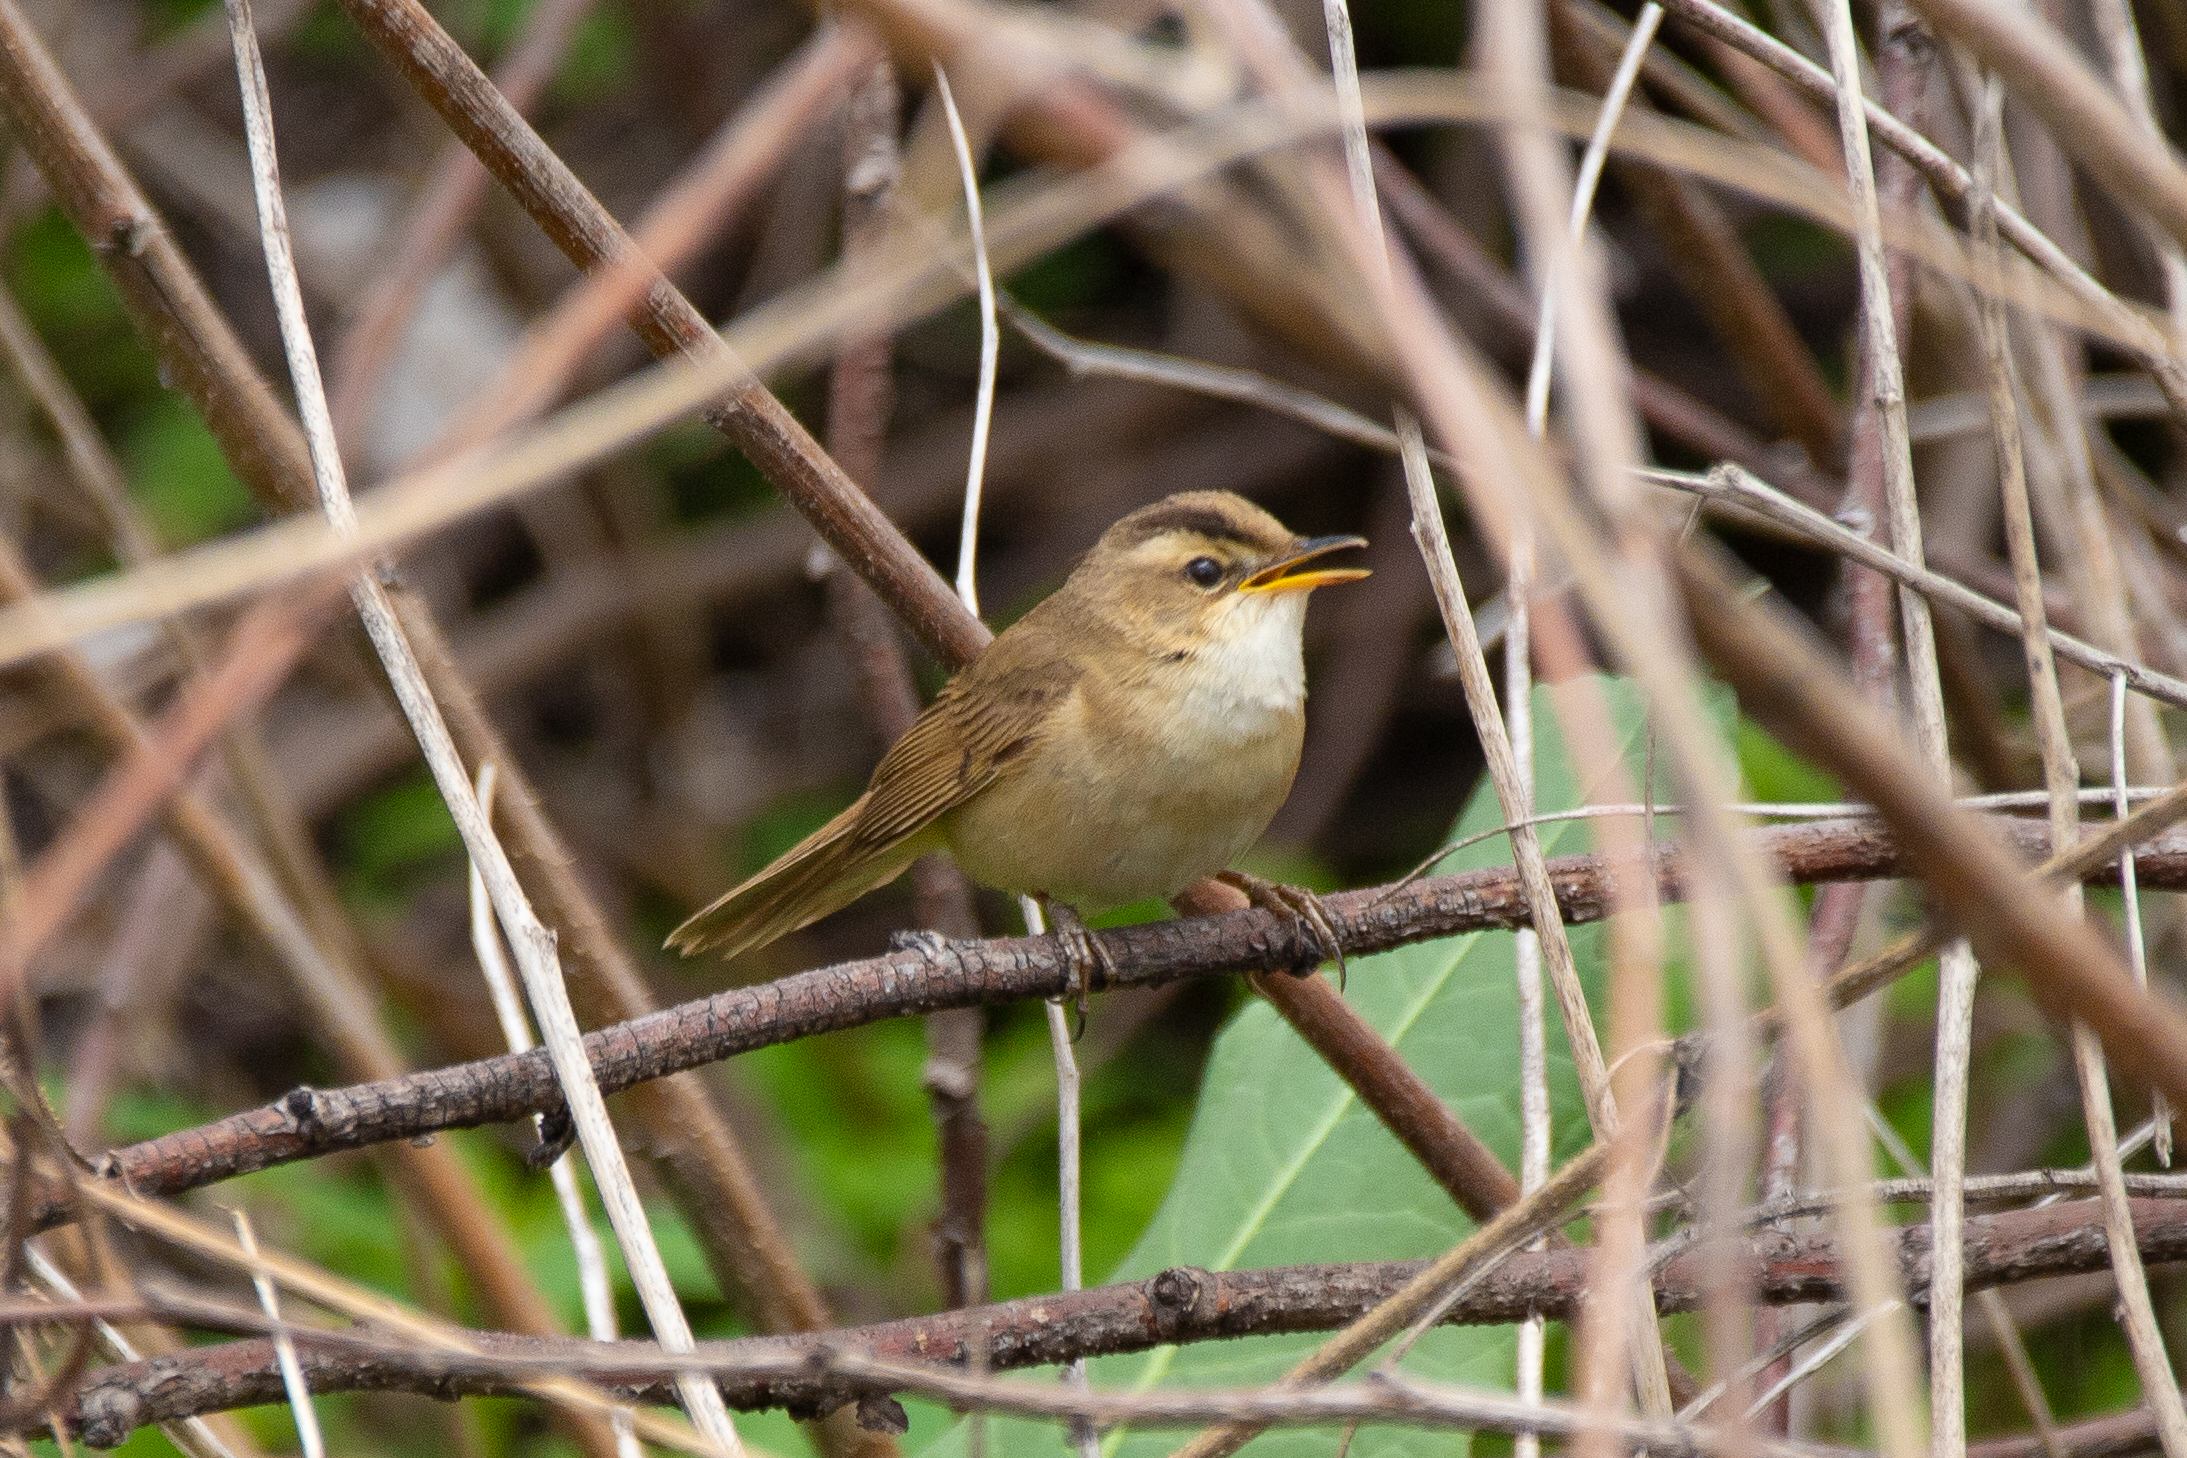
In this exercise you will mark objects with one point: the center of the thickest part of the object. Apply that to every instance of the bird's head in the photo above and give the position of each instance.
(1208, 568)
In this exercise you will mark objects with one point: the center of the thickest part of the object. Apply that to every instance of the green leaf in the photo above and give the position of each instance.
(1283, 1166)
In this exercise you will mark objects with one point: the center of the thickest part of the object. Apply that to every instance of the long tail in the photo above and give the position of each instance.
(824, 872)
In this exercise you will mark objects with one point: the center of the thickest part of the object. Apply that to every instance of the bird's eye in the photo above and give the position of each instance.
(1205, 571)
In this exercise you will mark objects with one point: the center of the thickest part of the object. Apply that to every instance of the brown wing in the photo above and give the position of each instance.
(957, 748)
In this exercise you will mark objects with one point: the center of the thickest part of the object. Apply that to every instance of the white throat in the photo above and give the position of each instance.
(1255, 668)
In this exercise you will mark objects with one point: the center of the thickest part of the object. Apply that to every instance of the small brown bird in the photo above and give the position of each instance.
(1133, 733)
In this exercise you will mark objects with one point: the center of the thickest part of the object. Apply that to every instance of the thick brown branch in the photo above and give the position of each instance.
(311, 1122)
(1176, 1306)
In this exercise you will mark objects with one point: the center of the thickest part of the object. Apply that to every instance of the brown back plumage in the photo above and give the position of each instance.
(951, 752)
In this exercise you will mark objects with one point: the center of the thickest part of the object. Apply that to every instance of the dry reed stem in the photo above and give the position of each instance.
(1070, 1257)
(595, 1286)
(2061, 775)
(308, 1436)
(1512, 795)
(2137, 950)
(860, 399)
(1617, 90)
(534, 944)
(983, 400)
(1670, 75)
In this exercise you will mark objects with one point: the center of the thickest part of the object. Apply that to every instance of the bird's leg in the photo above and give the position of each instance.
(1310, 920)
(1083, 955)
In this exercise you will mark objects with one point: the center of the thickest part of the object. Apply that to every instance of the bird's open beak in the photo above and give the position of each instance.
(1287, 574)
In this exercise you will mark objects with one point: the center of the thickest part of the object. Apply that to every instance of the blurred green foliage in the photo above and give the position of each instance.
(392, 835)
(1773, 774)
(174, 465)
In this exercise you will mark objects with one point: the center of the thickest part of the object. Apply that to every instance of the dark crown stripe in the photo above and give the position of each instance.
(1182, 516)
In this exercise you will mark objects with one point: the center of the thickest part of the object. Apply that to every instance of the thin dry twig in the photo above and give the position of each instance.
(983, 400)
(308, 1436)
(594, 1286)
(423, 1333)
(1503, 771)
(1736, 486)
(1583, 197)
(534, 944)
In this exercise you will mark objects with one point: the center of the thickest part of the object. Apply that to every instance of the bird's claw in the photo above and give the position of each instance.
(1310, 920)
(929, 944)
(1083, 954)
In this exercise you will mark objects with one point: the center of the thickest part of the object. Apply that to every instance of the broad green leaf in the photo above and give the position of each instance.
(1283, 1166)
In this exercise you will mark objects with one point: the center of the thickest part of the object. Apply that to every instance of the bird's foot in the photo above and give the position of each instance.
(929, 944)
(1083, 956)
(1311, 925)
